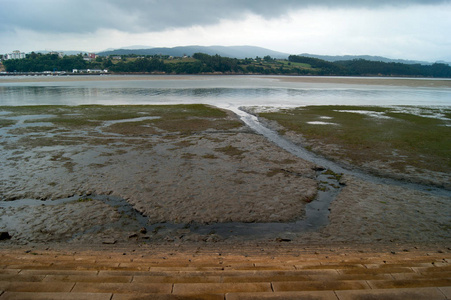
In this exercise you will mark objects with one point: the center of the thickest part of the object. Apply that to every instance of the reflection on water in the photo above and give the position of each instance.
(222, 91)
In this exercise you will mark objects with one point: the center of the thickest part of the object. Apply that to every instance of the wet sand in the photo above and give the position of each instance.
(395, 81)
(182, 182)
(66, 78)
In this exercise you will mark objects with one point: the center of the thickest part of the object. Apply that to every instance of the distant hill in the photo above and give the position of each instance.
(334, 58)
(224, 51)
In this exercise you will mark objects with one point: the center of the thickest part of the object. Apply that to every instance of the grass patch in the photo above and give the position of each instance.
(6, 123)
(231, 151)
(419, 141)
(32, 129)
(295, 64)
(188, 155)
(209, 156)
(85, 200)
(132, 128)
(184, 144)
(274, 172)
(190, 125)
(173, 118)
(333, 175)
(33, 142)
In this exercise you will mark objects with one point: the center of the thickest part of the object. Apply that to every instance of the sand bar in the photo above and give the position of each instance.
(395, 81)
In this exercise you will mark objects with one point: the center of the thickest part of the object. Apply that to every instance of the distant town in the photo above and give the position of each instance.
(15, 55)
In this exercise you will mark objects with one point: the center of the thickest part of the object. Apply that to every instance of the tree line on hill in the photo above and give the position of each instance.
(201, 63)
(361, 67)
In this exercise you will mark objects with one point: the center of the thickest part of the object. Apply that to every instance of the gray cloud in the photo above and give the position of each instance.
(84, 16)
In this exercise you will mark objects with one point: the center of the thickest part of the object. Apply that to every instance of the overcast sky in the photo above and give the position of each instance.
(409, 29)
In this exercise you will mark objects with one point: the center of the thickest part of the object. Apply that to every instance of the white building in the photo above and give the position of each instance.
(60, 54)
(15, 55)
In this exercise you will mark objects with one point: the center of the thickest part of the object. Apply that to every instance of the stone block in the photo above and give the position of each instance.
(319, 285)
(391, 294)
(311, 295)
(218, 288)
(36, 287)
(55, 296)
(152, 288)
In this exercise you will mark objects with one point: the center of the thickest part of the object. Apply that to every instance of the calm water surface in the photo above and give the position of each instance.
(221, 91)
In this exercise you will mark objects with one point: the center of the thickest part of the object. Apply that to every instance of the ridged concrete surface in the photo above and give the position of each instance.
(248, 273)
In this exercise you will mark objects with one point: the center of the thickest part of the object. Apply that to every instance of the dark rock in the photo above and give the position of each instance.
(282, 240)
(132, 236)
(213, 238)
(4, 235)
(109, 242)
(318, 168)
(143, 230)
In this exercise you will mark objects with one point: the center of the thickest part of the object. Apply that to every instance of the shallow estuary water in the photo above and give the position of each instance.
(221, 91)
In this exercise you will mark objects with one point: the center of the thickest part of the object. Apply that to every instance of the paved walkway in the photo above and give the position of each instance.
(250, 273)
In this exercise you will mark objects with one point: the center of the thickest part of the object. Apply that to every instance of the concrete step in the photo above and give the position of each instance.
(213, 275)
(54, 296)
(386, 294)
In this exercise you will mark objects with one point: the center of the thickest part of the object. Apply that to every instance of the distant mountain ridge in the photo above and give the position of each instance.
(246, 52)
(237, 52)
(334, 58)
(225, 51)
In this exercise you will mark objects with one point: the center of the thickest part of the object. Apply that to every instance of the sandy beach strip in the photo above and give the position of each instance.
(392, 81)
(384, 81)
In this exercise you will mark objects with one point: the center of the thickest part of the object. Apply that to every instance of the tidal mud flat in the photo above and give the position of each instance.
(192, 173)
(172, 165)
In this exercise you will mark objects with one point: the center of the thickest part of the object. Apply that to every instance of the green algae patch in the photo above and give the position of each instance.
(401, 137)
(6, 123)
(172, 118)
(231, 151)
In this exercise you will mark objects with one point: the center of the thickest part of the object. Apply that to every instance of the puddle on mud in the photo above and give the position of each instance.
(374, 114)
(22, 118)
(321, 123)
(112, 122)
